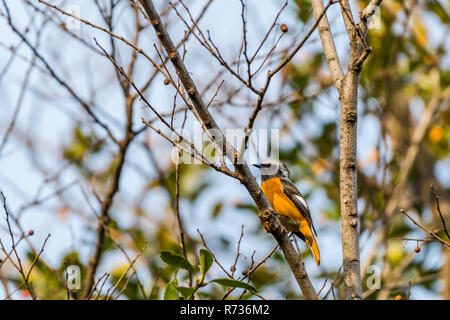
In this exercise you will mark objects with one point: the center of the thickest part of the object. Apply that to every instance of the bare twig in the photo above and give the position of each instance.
(438, 208)
(431, 233)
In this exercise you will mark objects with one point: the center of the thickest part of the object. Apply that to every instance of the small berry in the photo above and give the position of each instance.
(417, 249)
(232, 268)
(30, 232)
(398, 297)
(283, 28)
(244, 272)
(166, 82)
(436, 231)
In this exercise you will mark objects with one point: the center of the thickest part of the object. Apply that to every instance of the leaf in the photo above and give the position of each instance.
(206, 261)
(175, 259)
(185, 291)
(304, 10)
(171, 292)
(233, 283)
(217, 208)
(249, 207)
(138, 237)
(435, 7)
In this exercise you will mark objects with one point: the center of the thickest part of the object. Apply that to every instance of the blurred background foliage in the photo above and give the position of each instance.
(408, 65)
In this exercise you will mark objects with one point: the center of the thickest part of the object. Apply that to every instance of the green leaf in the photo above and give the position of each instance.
(249, 207)
(206, 261)
(216, 210)
(175, 259)
(435, 7)
(304, 10)
(233, 283)
(186, 291)
(171, 292)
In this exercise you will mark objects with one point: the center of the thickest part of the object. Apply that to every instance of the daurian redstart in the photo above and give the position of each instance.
(288, 202)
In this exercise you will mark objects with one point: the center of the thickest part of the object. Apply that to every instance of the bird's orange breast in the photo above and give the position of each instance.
(290, 215)
(280, 202)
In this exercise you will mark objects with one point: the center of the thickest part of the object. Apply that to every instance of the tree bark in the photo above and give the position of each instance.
(329, 49)
(348, 186)
(347, 87)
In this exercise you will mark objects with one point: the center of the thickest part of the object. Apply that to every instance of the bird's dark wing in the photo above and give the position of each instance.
(296, 197)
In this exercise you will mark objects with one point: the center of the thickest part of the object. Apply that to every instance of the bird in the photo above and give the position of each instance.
(288, 203)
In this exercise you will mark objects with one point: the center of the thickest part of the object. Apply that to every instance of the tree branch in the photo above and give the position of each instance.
(337, 74)
(267, 216)
(347, 87)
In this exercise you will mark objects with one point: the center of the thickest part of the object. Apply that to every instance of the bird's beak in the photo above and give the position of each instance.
(257, 165)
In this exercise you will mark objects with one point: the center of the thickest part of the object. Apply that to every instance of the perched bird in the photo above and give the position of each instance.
(288, 202)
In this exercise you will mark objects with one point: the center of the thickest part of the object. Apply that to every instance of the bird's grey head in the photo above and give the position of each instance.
(272, 168)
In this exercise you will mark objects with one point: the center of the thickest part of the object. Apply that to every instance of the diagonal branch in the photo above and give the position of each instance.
(431, 233)
(267, 216)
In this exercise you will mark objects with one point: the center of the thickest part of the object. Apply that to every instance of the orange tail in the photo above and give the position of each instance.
(310, 241)
(312, 244)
